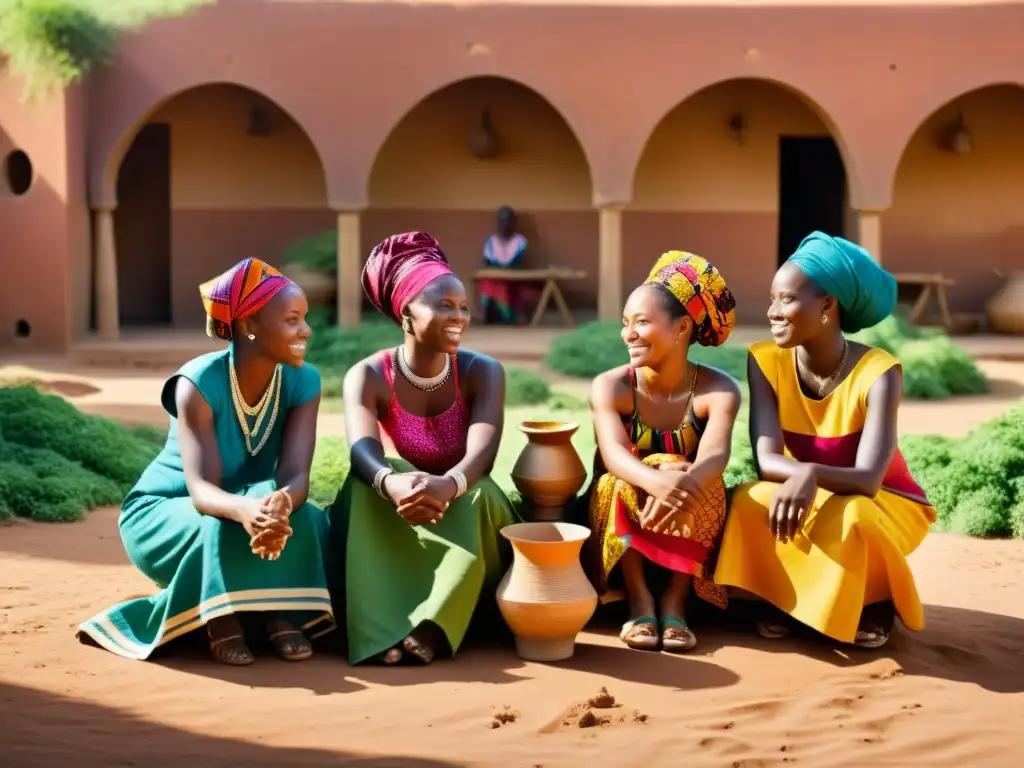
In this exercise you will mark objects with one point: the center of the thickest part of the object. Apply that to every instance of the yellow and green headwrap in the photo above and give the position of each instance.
(702, 291)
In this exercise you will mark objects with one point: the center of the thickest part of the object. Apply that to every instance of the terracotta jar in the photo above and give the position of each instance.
(1006, 309)
(548, 473)
(546, 598)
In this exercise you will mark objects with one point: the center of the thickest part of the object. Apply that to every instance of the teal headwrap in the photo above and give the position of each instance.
(866, 293)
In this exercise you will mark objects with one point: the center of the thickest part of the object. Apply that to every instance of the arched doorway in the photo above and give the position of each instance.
(215, 174)
(957, 195)
(426, 176)
(739, 172)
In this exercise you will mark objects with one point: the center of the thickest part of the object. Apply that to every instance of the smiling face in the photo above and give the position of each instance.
(280, 327)
(439, 315)
(654, 325)
(798, 307)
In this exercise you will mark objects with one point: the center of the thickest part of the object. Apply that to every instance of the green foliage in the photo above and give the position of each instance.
(329, 469)
(976, 483)
(317, 252)
(524, 387)
(593, 348)
(334, 350)
(56, 462)
(57, 42)
(934, 368)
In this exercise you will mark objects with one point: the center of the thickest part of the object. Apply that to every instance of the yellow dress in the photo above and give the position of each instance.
(851, 550)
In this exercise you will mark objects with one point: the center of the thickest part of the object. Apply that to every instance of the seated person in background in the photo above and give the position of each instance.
(418, 535)
(504, 301)
(209, 518)
(664, 434)
(824, 534)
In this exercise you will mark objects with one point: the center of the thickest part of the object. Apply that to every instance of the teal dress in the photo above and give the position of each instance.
(203, 564)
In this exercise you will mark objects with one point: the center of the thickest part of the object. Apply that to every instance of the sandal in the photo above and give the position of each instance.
(876, 625)
(294, 651)
(236, 654)
(633, 634)
(419, 650)
(671, 628)
(390, 657)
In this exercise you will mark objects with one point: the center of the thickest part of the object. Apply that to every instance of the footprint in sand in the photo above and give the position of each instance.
(595, 712)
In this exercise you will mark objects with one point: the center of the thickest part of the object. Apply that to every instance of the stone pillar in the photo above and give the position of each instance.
(869, 232)
(609, 263)
(107, 313)
(350, 264)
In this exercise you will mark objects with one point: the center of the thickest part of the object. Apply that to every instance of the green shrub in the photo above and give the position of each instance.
(975, 482)
(330, 466)
(596, 347)
(317, 252)
(524, 387)
(334, 350)
(57, 42)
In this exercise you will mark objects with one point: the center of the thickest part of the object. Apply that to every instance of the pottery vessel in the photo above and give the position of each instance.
(548, 472)
(545, 597)
(319, 286)
(1005, 310)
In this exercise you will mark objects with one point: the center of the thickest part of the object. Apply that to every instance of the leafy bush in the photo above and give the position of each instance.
(318, 252)
(593, 348)
(56, 42)
(329, 469)
(524, 387)
(56, 462)
(334, 350)
(976, 483)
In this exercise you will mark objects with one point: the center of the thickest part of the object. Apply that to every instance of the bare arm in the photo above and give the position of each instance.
(486, 378)
(200, 457)
(360, 393)
(716, 443)
(612, 438)
(877, 444)
(297, 445)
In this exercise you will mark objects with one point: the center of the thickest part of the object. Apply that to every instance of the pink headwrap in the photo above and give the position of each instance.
(399, 268)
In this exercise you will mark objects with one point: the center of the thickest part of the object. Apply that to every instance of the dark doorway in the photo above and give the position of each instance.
(812, 190)
(142, 229)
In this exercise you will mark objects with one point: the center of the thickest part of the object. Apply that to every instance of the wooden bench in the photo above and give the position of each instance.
(549, 276)
(931, 283)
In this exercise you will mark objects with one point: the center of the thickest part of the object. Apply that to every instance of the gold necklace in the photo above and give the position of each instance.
(260, 410)
(825, 383)
(236, 397)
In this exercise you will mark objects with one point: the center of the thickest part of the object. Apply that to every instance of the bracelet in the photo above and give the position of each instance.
(461, 484)
(378, 480)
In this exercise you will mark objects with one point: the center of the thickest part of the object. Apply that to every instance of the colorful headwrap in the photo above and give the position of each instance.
(702, 291)
(240, 292)
(866, 293)
(399, 268)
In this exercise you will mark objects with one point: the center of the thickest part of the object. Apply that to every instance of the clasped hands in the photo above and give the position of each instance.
(266, 522)
(670, 500)
(420, 497)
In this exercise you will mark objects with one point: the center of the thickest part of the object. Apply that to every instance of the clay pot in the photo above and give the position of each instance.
(546, 598)
(548, 473)
(1006, 309)
(319, 286)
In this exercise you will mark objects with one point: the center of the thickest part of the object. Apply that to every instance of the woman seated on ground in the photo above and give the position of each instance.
(664, 431)
(505, 301)
(413, 579)
(825, 534)
(210, 518)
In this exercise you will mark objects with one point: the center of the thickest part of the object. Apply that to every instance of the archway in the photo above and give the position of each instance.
(215, 174)
(427, 177)
(739, 172)
(957, 195)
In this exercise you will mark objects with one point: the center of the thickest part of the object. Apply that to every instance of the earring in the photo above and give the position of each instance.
(407, 326)
(252, 337)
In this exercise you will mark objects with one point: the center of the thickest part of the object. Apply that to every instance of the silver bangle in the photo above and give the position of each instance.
(378, 480)
(461, 484)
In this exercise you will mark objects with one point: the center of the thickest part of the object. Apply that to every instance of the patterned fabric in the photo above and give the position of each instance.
(399, 267)
(851, 551)
(702, 291)
(508, 298)
(240, 292)
(866, 293)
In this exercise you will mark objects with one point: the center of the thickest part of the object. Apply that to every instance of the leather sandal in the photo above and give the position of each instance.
(305, 648)
(641, 641)
(221, 652)
(670, 641)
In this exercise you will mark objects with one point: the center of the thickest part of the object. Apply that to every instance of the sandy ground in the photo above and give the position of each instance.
(952, 695)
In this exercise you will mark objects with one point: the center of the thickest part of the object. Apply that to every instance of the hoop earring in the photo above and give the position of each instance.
(407, 326)
(252, 337)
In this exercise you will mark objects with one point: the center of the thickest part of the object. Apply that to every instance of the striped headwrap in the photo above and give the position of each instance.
(702, 291)
(240, 292)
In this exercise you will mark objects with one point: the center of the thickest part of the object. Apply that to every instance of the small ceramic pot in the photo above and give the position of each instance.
(545, 597)
(1005, 310)
(548, 472)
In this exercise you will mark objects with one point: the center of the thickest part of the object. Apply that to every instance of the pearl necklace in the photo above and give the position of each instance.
(259, 410)
(420, 382)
